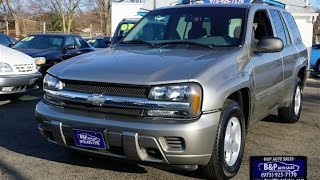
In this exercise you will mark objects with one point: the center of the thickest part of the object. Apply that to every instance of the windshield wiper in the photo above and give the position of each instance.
(138, 41)
(187, 43)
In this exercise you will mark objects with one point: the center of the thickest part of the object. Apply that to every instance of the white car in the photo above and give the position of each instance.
(18, 72)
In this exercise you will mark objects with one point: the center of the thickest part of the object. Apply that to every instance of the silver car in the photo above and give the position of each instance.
(181, 88)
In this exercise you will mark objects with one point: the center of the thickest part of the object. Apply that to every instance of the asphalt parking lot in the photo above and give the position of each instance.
(25, 155)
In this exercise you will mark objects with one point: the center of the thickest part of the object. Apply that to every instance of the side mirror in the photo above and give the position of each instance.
(10, 45)
(70, 47)
(269, 45)
(115, 40)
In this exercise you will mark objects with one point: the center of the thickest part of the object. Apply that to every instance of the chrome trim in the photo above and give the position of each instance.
(117, 101)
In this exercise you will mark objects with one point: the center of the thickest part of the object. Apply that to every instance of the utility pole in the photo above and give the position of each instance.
(44, 27)
(7, 25)
(90, 30)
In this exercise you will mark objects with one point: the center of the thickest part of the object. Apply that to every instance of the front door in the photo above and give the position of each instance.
(268, 71)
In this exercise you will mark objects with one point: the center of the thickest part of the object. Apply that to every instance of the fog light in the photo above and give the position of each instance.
(166, 113)
(7, 89)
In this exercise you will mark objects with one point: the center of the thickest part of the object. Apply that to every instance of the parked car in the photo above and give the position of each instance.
(99, 42)
(6, 40)
(50, 49)
(315, 58)
(184, 95)
(123, 28)
(18, 72)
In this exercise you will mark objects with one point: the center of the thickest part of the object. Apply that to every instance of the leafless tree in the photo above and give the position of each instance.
(67, 10)
(104, 10)
(16, 9)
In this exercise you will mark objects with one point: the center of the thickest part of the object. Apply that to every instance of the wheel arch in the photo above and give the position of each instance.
(243, 97)
(302, 74)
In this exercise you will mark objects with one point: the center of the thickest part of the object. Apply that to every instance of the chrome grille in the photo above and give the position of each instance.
(25, 67)
(106, 89)
(104, 109)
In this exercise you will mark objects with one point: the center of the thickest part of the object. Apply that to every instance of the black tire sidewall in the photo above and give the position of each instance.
(232, 110)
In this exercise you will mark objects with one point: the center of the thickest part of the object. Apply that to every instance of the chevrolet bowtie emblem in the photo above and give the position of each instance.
(97, 100)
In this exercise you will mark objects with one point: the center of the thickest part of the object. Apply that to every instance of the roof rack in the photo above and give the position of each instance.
(271, 3)
(268, 2)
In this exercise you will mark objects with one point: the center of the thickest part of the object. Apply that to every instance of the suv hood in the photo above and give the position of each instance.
(141, 66)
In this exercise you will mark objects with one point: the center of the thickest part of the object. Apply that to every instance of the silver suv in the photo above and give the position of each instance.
(181, 88)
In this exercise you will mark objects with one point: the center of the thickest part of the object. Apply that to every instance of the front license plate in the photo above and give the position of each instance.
(89, 139)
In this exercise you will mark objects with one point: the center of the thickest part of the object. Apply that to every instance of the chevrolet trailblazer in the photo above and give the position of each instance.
(181, 88)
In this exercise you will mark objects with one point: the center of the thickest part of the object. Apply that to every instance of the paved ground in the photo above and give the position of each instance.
(25, 155)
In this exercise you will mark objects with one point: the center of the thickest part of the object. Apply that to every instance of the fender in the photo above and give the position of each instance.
(221, 92)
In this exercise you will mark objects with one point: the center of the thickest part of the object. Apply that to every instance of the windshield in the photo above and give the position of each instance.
(215, 26)
(40, 42)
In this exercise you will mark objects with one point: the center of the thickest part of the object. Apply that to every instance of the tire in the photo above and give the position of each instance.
(317, 67)
(220, 165)
(292, 113)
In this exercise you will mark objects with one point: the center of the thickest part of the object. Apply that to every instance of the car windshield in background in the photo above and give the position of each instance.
(40, 42)
(124, 28)
(202, 25)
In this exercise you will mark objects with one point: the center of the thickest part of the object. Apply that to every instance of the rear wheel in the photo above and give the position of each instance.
(292, 113)
(229, 144)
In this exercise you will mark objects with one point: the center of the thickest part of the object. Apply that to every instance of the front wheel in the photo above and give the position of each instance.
(229, 144)
(292, 113)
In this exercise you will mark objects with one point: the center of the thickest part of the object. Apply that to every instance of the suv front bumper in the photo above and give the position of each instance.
(160, 141)
(18, 83)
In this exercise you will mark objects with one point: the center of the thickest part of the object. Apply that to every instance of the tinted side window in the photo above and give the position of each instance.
(261, 25)
(279, 26)
(4, 41)
(293, 27)
(70, 41)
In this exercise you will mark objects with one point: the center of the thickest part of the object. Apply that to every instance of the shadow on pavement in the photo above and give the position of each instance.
(11, 172)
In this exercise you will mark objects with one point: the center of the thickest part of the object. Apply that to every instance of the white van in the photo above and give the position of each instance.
(18, 72)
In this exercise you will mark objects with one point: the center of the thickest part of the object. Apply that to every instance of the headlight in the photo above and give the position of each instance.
(5, 67)
(52, 83)
(191, 93)
(40, 60)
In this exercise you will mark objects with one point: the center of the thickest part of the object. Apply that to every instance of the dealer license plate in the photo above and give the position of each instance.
(89, 139)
